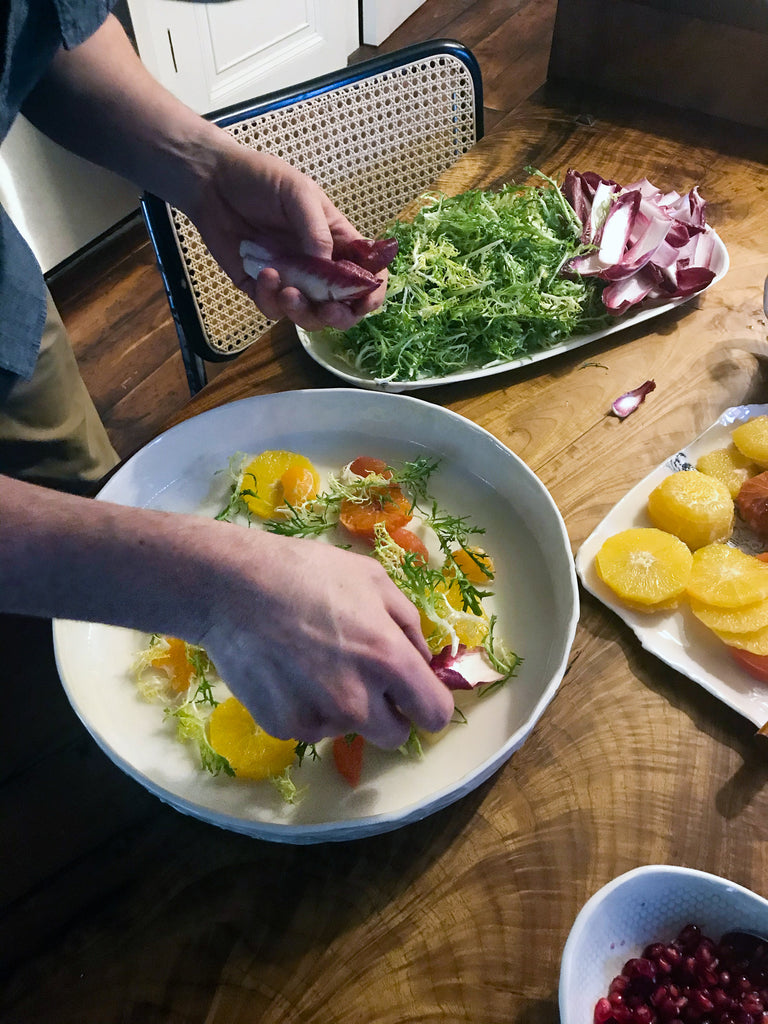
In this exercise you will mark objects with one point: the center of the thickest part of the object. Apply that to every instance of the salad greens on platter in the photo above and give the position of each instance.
(486, 277)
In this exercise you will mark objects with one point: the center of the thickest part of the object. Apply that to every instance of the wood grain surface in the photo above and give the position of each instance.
(116, 908)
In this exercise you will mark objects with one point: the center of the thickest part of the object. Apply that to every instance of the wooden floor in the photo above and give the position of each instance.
(112, 299)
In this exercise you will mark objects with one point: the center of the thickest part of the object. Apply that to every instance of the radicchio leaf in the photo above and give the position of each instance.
(648, 244)
(627, 403)
(372, 256)
(321, 280)
(467, 669)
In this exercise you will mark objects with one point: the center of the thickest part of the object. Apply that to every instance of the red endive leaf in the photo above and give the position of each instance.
(627, 403)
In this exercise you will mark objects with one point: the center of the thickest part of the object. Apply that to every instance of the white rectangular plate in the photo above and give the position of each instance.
(320, 347)
(677, 637)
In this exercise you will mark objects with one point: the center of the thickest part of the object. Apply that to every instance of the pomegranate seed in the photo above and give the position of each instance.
(691, 980)
(689, 936)
(751, 1004)
(638, 967)
(659, 995)
(702, 1002)
(603, 1011)
(720, 998)
(654, 950)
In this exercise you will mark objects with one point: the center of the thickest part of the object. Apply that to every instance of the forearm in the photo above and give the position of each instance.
(77, 558)
(315, 640)
(99, 101)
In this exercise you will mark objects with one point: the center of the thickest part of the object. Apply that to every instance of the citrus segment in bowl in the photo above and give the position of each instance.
(252, 753)
(262, 489)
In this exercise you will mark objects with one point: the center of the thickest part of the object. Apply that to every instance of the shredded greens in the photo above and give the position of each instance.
(477, 280)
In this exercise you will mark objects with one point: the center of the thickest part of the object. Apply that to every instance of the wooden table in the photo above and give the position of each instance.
(118, 909)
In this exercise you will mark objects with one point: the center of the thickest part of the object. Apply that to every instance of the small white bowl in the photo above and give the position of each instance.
(642, 906)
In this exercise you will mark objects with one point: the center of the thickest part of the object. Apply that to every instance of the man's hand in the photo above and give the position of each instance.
(257, 197)
(318, 641)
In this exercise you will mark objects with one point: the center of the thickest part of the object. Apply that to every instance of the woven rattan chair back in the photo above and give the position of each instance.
(374, 136)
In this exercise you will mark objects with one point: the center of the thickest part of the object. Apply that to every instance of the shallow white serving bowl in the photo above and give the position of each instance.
(642, 906)
(536, 600)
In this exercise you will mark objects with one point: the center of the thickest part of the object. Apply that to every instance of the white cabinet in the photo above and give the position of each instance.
(214, 54)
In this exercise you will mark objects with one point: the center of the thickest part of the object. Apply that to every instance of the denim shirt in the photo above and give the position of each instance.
(31, 32)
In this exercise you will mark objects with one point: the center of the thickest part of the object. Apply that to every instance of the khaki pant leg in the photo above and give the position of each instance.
(50, 432)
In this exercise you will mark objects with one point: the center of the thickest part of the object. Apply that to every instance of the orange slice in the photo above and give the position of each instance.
(262, 488)
(744, 619)
(695, 507)
(755, 642)
(729, 466)
(645, 566)
(171, 658)
(472, 561)
(727, 578)
(253, 753)
(751, 439)
(471, 629)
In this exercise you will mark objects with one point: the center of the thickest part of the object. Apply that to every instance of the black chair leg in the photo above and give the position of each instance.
(194, 367)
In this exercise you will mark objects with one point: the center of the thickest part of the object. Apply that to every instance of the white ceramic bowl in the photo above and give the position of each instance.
(642, 906)
(535, 597)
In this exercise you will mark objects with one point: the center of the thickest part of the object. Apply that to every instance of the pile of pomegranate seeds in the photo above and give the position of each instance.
(691, 980)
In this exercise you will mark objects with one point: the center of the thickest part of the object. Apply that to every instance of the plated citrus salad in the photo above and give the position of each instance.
(707, 546)
(433, 556)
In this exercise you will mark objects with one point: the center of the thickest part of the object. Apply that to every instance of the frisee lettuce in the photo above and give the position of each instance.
(478, 279)
(191, 725)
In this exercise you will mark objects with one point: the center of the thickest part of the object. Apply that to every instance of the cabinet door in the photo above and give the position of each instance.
(213, 54)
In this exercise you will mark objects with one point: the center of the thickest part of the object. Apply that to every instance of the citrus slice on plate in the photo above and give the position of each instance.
(693, 506)
(729, 466)
(751, 438)
(252, 753)
(755, 642)
(646, 567)
(743, 619)
(727, 578)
